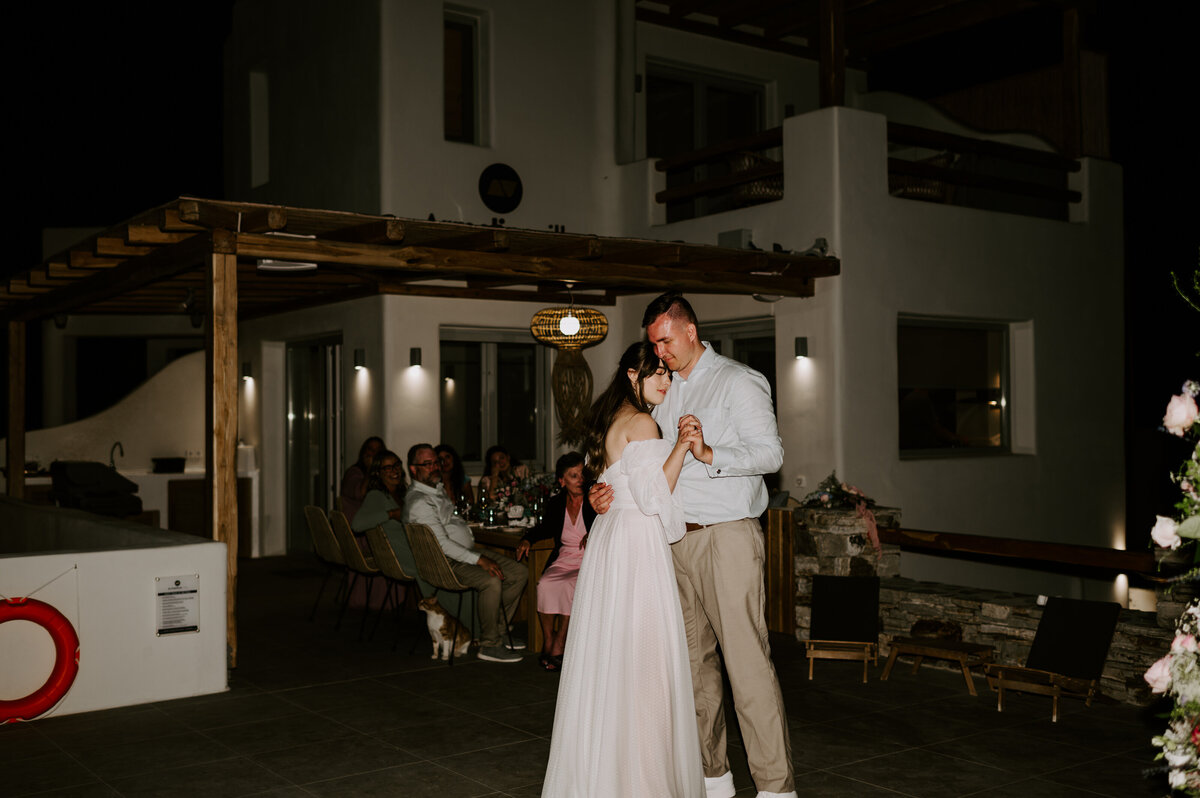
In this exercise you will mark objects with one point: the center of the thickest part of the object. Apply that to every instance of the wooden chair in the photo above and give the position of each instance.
(434, 567)
(1068, 653)
(328, 552)
(394, 576)
(356, 561)
(845, 620)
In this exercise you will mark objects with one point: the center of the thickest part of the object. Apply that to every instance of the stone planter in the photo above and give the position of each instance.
(836, 542)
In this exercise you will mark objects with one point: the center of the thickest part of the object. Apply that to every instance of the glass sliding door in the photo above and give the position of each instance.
(314, 433)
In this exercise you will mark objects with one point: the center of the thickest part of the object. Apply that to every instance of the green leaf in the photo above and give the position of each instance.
(1190, 528)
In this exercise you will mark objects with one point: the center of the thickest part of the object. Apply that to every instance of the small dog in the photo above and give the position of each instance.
(444, 629)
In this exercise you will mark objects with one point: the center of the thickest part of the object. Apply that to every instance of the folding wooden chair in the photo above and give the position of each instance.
(327, 550)
(434, 567)
(845, 620)
(1067, 656)
(356, 561)
(393, 574)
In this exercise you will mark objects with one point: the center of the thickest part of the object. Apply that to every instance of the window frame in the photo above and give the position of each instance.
(477, 21)
(489, 338)
(1007, 417)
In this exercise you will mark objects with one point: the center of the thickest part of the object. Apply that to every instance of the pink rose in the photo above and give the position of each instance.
(1181, 414)
(1164, 533)
(1183, 643)
(1159, 675)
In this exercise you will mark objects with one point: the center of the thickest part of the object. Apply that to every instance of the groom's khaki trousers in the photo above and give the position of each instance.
(720, 573)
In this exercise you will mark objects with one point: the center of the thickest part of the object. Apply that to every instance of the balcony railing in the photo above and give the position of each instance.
(923, 164)
(958, 170)
(732, 174)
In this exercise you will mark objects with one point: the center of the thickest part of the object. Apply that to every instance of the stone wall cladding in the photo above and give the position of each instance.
(835, 542)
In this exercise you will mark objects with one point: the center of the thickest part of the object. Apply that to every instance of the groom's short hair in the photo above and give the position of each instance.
(671, 303)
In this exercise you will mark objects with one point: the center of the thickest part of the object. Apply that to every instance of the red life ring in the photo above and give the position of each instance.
(66, 658)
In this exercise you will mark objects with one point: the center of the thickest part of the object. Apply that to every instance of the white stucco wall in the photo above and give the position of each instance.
(559, 114)
(163, 417)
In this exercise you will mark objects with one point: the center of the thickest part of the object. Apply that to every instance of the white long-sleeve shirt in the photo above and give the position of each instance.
(733, 403)
(432, 507)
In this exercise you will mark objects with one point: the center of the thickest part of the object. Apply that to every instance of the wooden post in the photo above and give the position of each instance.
(221, 422)
(833, 54)
(16, 409)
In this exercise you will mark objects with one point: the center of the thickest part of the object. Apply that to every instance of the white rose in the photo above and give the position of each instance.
(1164, 533)
(1181, 414)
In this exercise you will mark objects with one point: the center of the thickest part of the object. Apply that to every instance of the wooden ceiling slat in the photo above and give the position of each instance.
(433, 260)
(736, 36)
(151, 234)
(947, 20)
(110, 246)
(134, 273)
(499, 294)
(170, 221)
(382, 231)
(254, 220)
(155, 261)
(87, 260)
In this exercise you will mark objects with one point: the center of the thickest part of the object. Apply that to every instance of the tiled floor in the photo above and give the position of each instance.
(312, 712)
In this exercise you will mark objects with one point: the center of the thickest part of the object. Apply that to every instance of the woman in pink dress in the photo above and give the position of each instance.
(567, 519)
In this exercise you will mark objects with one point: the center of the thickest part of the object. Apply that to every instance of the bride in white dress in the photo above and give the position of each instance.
(625, 723)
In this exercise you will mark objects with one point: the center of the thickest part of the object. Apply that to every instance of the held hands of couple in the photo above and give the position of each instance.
(691, 430)
(691, 435)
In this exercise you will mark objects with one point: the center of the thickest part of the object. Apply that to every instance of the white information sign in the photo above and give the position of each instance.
(178, 604)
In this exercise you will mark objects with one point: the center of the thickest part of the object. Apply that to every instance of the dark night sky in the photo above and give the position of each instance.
(120, 110)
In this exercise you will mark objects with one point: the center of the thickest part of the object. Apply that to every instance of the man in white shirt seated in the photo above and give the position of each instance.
(495, 577)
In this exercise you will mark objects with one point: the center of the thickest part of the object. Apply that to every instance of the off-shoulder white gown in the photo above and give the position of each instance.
(625, 724)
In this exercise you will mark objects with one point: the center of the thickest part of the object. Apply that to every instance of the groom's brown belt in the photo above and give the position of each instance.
(693, 527)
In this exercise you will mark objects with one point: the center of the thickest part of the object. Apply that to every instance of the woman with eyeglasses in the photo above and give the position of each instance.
(383, 506)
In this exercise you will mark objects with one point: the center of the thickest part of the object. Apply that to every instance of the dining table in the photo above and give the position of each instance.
(505, 539)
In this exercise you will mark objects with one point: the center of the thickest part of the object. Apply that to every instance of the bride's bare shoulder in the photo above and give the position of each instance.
(640, 427)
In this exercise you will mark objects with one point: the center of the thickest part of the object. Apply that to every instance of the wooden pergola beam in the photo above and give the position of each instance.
(490, 293)
(134, 273)
(787, 275)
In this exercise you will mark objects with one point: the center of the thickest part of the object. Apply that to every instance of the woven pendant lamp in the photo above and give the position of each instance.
(569, 330)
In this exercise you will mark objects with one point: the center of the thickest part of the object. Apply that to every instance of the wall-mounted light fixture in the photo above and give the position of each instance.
(246, 373)
(360, 359)
(414, 356)
(801, 348)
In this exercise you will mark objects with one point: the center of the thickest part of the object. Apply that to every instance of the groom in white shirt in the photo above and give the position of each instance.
(719, 562)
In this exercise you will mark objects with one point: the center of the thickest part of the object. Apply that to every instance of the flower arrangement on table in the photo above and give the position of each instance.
(528, 494)
(1178, 673)
(833, 494)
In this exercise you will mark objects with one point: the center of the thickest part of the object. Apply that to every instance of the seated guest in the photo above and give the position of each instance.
(455, 481)
(383, 506)
(354, 481)
(496, 578)
(500, 470)
(568, 517)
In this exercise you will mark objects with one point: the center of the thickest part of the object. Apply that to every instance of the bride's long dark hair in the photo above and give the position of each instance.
(641, 358)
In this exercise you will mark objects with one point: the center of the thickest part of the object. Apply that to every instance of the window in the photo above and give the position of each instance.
(463, 76)
(687, 111)
(749, 341)
(494, 384)
(953, 387)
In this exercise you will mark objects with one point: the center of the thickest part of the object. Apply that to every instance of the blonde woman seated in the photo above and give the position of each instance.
(567, 519)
